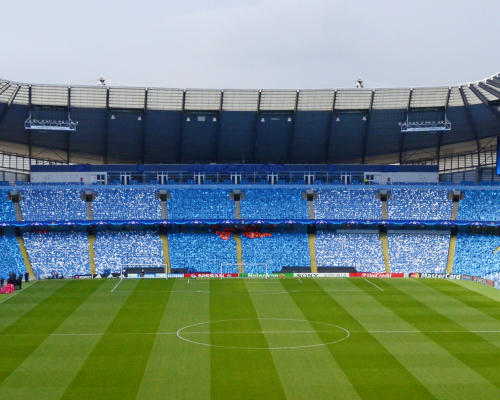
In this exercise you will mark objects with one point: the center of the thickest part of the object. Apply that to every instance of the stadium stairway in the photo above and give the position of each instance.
(90, 211)
(454, 211)
(19, 213)
(164, 213)
(166, 251)
(451, 252)
(92, 253)
(312, 252)
(239, 252)
(26, 258)
(310, 209)
(237, 210)
(385, 251)
(385, 215)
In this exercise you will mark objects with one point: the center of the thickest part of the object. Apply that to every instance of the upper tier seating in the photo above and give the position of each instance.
(475, 255)
(7, 212)
(418, 252)
(419, 204)
(64, 252)
(277, 251)
(347, 204)
(274, 204)
(11, 259)
(116, 250)
(52, 205)
(479, 205)
(202, 252)
(361, 251)
(126, 204)
(200, 203)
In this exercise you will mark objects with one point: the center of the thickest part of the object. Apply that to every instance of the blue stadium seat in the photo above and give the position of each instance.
(11, 259)
(200, 203)
(479, 205)
(475, 255)
(126, 204)
(274, 204)
(419, 204)
(347, 203)
(52, 205)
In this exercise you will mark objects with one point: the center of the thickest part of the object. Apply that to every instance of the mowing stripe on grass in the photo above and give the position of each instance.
(44, 319)
(470, 348)
(439, 371)
(236, 373)
(373, 371)
(115, 367)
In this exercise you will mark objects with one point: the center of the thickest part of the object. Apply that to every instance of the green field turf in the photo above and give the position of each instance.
(251, 339)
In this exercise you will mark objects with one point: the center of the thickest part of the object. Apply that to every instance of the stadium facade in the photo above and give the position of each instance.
(327, 126)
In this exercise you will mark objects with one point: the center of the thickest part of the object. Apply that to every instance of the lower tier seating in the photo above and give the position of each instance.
(475, 255)
(115, 250)
(277, 251)
(11, 259)
(67, 253)
(361, 251)
(418, 252)
(202, 252)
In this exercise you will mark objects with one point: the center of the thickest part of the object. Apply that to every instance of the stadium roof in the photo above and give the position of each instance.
(151, 125)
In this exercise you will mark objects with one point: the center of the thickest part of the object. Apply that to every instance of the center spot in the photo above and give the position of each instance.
(263, 333)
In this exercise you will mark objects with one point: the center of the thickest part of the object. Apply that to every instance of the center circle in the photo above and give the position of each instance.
(256, 333)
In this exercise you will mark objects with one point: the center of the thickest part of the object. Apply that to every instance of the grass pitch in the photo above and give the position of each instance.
(251, 339)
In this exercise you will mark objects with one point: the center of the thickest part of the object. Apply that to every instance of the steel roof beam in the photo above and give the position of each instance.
(143, 157)
(7, 107)
(402, 140)
(367, 127)
(440, 141)
(330, 131)
(489, 89)
(217, 144)
(107, 128)
(68, 147)
(256, 126)
(471, 122)
(292, 135)
(8, 85)
(486, 102)
(183, 111)
(492, 82)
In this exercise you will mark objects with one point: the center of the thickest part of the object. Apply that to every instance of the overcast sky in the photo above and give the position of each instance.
(285, 44)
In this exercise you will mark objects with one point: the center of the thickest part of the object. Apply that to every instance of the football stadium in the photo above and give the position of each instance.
(249, 244)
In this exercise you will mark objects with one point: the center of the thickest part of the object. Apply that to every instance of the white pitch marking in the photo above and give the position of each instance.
(10, 297)
(300, 281)
(374, 285)
(188, 280)
(116, 285)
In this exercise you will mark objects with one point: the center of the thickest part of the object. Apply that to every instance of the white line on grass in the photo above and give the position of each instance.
(188, 280)
(300, 281)
(492, 298)
(374, 285)
(116, 285)
(10, 297)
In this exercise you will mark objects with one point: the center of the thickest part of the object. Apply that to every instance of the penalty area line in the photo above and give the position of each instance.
(117, 285)
(300, 281)
(374, 285)
(10, 297)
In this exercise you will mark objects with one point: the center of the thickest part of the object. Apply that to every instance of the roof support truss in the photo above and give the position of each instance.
(107, 128)
(367, 126)
(402, 140)
(292, 135)
(219, 124)
(143, 157)
(440, 140)
(471, 122)
(256, 126)
(330, 131)
(183, 115)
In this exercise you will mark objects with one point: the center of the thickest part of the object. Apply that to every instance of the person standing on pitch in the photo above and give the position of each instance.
(26, 276)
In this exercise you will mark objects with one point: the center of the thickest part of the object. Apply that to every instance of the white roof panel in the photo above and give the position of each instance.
(127, 98)
(202, 100)
(429, 97)
(165, 99)
(22, 96)
(278, 100)
(391, 99)
(472, 99)
(240, 100)
(47, 95)
(455, 98)
(88, 96)
(353, 99)
(316, 100)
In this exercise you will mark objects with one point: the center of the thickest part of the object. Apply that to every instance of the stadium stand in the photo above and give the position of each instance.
(52, 205)
(200, 203)
(362, 251)
(479, 205)
(7, 212)
(418, 252)
(419, 204)
(126, 204)
(64, 252)
(277, 251)
(274, 204)
(476, 255)
(115, 250)
(201, 251)
(347, 204)
(11, 259)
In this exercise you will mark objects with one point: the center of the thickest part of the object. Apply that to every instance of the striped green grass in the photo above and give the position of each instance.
(251, 339)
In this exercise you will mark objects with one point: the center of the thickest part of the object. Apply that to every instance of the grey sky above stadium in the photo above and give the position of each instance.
(250, 44)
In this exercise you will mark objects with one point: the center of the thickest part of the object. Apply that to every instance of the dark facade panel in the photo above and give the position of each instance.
(163, 135)
(125, 135)
(461, 131)
(237, 136)
(50, 139)
(199, 137)
(487, 124)
(12, 127)
(311, 131)
(347, 134)
(384, 135)
(274, 134)
(90, 134)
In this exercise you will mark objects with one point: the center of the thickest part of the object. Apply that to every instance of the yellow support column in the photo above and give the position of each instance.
(92, 254)
(166, 251)
(312, 252)
(239, 253)
(451, 254)
(26, 259)
(385, 251)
